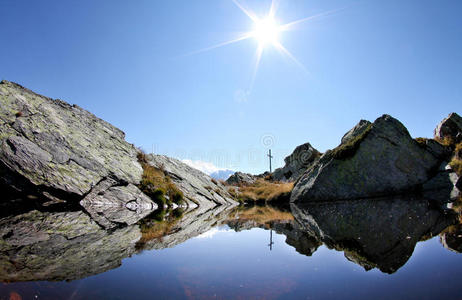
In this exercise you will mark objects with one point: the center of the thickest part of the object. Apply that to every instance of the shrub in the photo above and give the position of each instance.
(349, 148)
(18, 114)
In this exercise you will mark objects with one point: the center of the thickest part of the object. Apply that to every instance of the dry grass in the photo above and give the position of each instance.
(232, 191)
(156, 184)
(261, 215)
(263, 190)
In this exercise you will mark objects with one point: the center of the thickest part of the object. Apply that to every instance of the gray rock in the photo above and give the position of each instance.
(197, 187)
(451, 126)
(355, 131)
(374, 234)
(296, 163)
(240, 178)
(383, 160)
(57, 147)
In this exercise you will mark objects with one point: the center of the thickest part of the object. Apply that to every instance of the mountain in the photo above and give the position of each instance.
(221, 174)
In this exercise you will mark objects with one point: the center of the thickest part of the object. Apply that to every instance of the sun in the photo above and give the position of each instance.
(266, 31)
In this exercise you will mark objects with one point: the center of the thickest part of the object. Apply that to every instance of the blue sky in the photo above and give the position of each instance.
(129, 63)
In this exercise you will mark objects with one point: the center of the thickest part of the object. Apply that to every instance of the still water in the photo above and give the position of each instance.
(388, 249)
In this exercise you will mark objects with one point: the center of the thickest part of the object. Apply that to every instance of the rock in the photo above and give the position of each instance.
(356, 131)
(296, 163)
(374, 234)
(73, 149)
(240, 178)
(449, 127)
(383, 160)
(197, 187)
(61, 152)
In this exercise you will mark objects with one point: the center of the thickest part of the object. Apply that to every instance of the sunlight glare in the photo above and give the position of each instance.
(266, 31)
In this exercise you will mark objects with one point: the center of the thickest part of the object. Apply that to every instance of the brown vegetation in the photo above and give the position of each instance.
(156, 184)
(263, 190)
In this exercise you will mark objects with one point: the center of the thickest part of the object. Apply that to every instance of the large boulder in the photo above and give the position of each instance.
(296, 163)
(450, 127)
(61, 152)
(382, 159)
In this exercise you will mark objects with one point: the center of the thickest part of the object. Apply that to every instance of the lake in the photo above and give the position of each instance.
(391, 248)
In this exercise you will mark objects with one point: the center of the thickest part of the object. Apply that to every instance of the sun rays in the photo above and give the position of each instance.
(267, 31)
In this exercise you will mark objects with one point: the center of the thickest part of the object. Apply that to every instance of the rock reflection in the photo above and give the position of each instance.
(379, 233)
(60, 246)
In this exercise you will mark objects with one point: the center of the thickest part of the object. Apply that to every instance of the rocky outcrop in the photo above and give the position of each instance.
(380, 233)
(197, 187)
(296, 163)
(61, 152)
(450, 127)
(60, 246)
(375, 160)
(240, 178)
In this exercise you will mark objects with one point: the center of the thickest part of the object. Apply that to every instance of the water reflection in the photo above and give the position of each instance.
(56, 246)
(379, 233)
